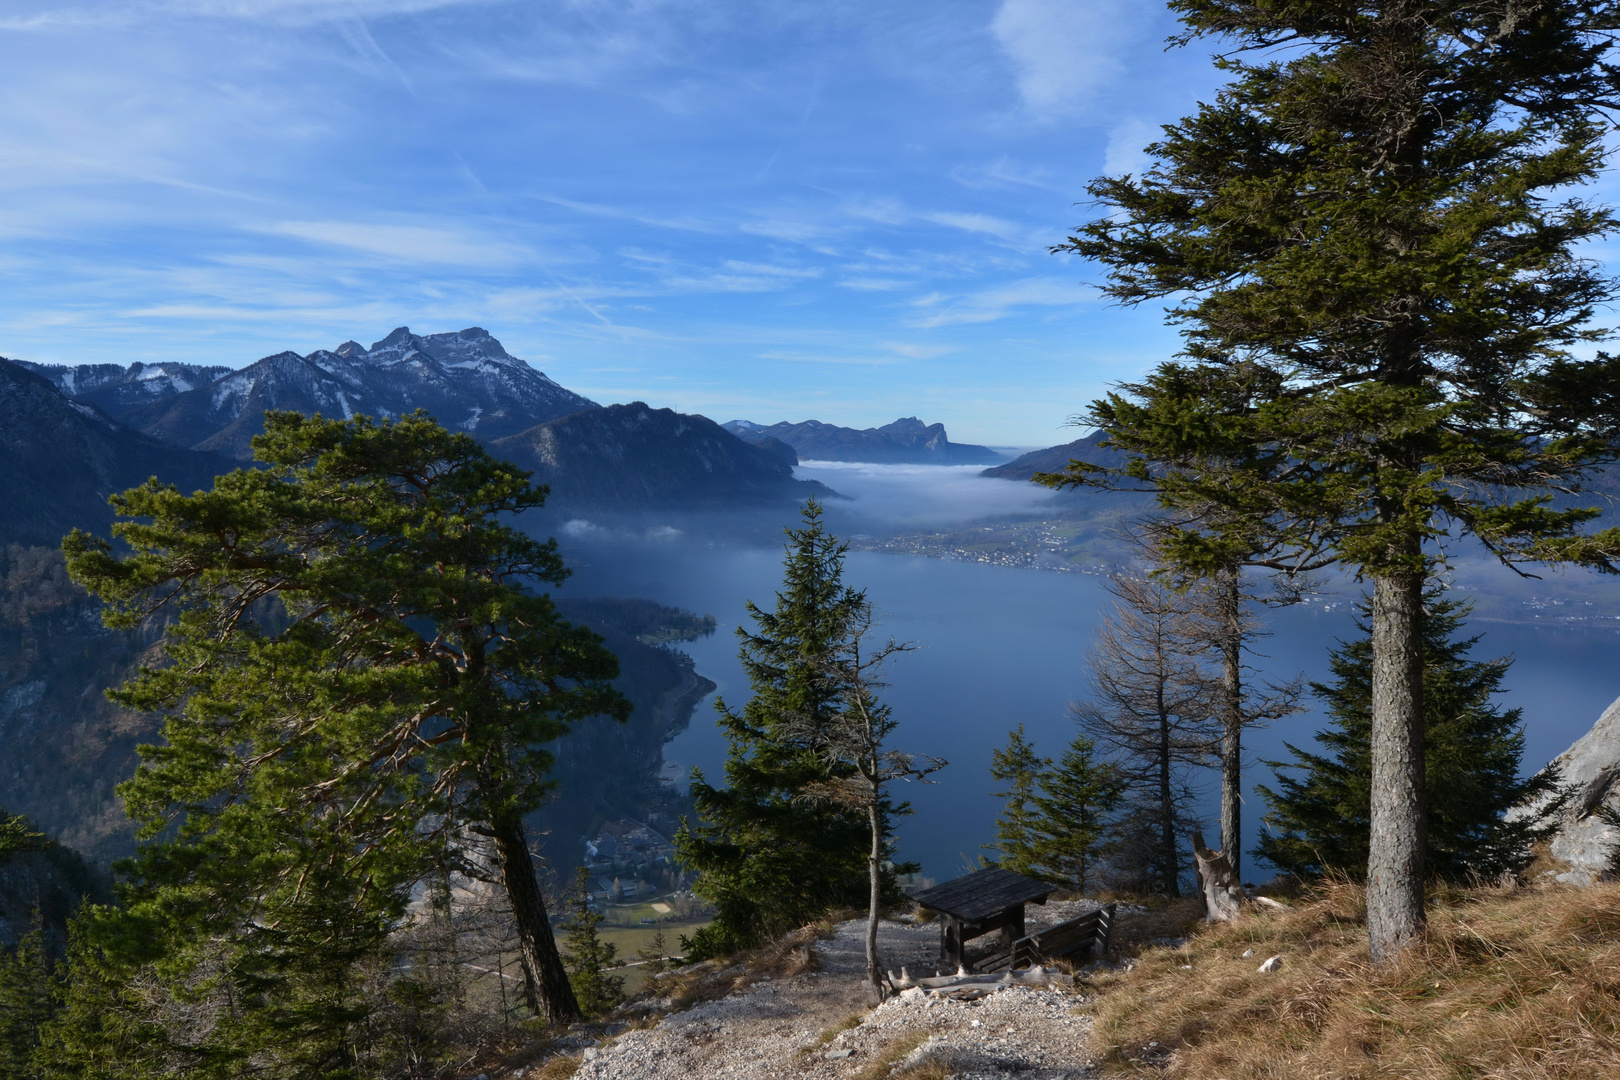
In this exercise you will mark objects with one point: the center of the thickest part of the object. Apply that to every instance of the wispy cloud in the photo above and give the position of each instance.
(1127, 144)
(406, 243)
(1001, 301)
(914, 351)
(1065, 53)
(1003, 173)
(827, 358)
(46, 15)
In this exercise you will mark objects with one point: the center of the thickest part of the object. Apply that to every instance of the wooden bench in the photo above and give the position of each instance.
(1089, 931)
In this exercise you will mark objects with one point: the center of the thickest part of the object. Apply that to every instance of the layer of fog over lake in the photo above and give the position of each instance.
(999, 646)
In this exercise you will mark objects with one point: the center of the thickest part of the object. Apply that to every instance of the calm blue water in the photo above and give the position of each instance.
(1001, 646)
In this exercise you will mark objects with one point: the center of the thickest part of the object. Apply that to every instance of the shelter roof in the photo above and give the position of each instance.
(984, 893)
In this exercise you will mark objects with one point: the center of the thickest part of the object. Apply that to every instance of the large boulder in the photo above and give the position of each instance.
(1591, 771)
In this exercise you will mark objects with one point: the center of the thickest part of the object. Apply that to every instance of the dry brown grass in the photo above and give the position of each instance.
(560, 1067)
(882, 1066)
(853, 1020)
(932, 1069)
(1512, 984)
(791, 954)
(1136, 930)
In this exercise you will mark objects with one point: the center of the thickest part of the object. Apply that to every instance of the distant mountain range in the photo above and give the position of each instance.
(626, 457)
(1054, 459)
(907, 441)
(69, 436)
(118, 391)
(466, 380)
(61, 458)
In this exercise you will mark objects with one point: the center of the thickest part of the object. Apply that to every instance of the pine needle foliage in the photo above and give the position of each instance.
(28, 992)
(1371, 238)
(1318, 821)
(768, 859)
(588, 957)
(1018, 768)
(1075, 808)
(357, 679)
(1058, 817)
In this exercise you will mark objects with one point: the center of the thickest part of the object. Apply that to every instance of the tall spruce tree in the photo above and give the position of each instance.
(28, 993)
(1018, 769)
(769, 859)
(589, 959)
(1319, 816)
(358, 681)
(1078, 797)
(1057, 816)
(1380, 287)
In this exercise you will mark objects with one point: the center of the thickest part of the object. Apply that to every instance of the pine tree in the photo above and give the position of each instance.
(587, 956)
(768, 859)
(1385, 314)
(1319, 820)
(1020, 769)
(1074, 813)
(18, 835)
(27, 1002)
(358, 682)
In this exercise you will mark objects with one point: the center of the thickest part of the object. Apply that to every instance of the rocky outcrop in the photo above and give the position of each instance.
(1590, 771)
(907, 441)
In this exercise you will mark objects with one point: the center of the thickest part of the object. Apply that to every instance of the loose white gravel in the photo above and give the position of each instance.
(776, 1028)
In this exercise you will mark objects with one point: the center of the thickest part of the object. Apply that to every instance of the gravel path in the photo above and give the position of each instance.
(786, 1027)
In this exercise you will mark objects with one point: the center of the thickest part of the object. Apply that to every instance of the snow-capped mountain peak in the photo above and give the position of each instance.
(465, 379)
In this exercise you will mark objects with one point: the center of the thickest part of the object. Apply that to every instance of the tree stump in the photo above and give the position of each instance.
(1223, 894)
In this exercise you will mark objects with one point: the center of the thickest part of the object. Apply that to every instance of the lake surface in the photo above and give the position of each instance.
(999, 646)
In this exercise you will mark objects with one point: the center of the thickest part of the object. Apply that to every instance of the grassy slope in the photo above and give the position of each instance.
(1521, 983)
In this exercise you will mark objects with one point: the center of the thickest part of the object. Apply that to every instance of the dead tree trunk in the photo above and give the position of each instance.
(546, 989)
(1223, 895)
(1395, 856)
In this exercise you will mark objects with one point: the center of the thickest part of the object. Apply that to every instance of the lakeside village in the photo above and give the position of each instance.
(628, 860)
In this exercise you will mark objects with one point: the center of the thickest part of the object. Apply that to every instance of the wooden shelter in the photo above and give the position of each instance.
(985, 900)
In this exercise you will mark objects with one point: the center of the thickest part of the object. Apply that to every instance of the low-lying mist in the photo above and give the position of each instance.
(909, 497)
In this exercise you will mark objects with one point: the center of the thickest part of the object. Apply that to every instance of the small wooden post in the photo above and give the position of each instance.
(952, 946)
(1013, 928)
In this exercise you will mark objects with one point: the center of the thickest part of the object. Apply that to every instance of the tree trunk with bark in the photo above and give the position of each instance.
(546, 989)
(874, 970)
(1230, 608)
(1167, 817)
(1395, 861)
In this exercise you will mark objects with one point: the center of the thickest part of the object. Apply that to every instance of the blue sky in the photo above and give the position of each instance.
(774, 211)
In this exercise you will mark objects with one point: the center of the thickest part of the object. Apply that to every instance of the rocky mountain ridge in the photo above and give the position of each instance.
(633, 457)
(61, 458)
(465, 379)
(907, 441)
(1054, 459)
(118, 390)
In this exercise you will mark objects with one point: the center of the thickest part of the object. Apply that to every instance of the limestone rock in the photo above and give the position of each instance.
(1592, 767)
